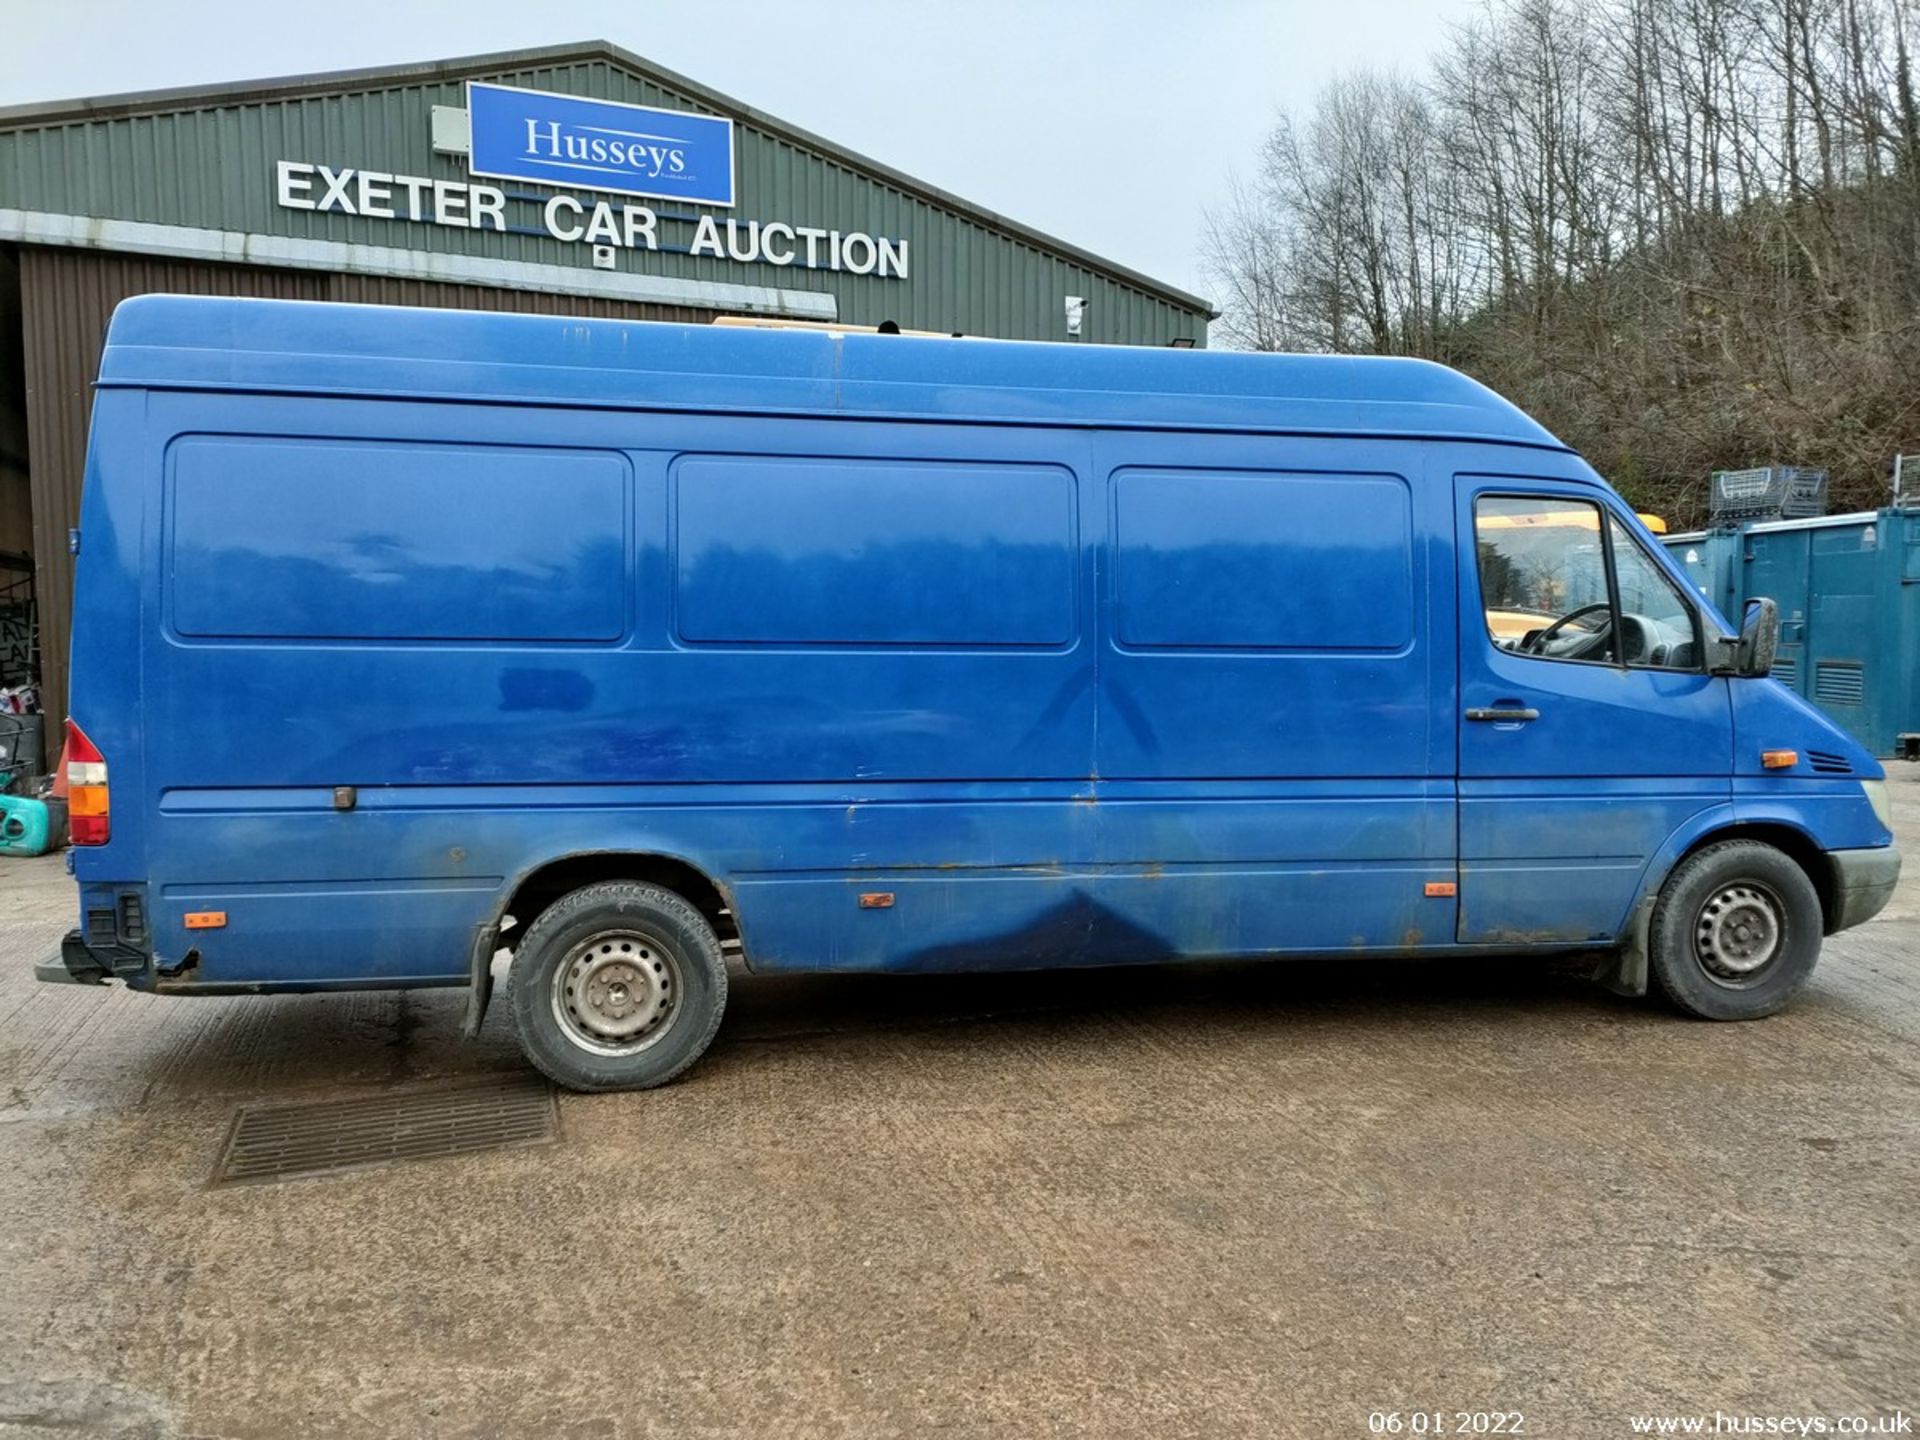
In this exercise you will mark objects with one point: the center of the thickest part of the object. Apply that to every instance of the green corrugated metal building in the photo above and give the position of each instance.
(369, 186)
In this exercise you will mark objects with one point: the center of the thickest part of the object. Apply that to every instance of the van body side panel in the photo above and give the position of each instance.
(1561, 815)
(521, 634)
(1820, 795)
(116, 592)
(793, 858)
(646, 705)
(1275, 744)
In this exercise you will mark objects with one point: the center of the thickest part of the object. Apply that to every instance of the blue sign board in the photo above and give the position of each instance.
(599, 145)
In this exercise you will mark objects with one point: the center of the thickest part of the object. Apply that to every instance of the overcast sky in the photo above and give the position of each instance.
(1112, 125)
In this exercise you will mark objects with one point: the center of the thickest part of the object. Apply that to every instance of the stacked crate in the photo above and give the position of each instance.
(1771, 492)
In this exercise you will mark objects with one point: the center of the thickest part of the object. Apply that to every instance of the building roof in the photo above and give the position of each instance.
(177, 341)
(194, 97)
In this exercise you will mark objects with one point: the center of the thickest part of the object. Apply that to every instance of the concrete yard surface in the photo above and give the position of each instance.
(1216, 1201)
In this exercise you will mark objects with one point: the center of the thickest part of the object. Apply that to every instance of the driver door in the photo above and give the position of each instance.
(1583, 746)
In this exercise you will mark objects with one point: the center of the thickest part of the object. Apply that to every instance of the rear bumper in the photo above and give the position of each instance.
(79, 963)
(1864, 881)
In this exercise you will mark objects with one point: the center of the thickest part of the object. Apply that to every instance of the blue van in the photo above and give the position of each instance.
(405, 637)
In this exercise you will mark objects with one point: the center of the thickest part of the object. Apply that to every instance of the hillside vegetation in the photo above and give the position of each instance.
(1685, 234)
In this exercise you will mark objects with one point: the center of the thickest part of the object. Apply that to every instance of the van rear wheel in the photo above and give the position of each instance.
(617, 986)
(1736, 932)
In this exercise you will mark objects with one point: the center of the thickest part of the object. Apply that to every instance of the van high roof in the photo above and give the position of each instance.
(291, 346)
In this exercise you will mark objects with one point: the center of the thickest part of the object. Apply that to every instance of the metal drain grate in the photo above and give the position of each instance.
(287, 1142)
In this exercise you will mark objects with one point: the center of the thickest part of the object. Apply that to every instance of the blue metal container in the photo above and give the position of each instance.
(1711, 560)
(1848, 587)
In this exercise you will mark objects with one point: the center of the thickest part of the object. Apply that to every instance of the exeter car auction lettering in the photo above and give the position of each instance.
(299, 185)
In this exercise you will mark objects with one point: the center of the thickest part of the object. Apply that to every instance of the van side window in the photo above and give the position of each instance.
(1543, 577)
(1262, 560)
(791, 550)
(1558, 583)
(356, 541)
(1657, 626)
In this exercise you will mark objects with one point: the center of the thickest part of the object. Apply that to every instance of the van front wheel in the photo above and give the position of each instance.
(617, 986)
(1736, 931)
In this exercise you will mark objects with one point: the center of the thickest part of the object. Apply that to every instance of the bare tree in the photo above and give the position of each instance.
(1686, 233)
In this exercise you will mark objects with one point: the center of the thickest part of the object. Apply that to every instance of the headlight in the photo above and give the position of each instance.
(1878, 798)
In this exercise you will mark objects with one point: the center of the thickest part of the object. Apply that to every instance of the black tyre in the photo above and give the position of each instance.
(617, 986)
(1736, 932)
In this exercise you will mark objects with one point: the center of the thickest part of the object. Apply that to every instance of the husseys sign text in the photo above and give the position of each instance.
(554, 139)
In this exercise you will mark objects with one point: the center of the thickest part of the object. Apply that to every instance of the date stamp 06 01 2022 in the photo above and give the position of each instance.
(1446, 1422)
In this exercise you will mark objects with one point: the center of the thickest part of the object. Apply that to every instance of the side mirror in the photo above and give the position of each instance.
(1759, 636)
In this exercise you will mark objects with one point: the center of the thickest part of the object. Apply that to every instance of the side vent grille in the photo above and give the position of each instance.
(1828, 763)
(133, 920)
(1839, 682)
(100, 927)
(1786, 671)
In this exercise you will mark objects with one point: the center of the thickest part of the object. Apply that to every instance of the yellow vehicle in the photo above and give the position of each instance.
(1510, 627)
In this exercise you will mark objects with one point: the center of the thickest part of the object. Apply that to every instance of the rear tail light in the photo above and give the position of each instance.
(87, 822)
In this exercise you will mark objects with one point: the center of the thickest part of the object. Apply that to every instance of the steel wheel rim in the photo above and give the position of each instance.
(617, 992)
(1740, 933)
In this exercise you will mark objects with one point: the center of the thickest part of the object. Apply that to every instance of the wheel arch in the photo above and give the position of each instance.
(1798, 846)
(540, 884)
(1626, 972)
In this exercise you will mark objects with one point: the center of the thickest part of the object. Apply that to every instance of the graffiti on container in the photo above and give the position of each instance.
(18, 643)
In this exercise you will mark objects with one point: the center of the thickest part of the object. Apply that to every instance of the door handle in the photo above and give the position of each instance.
(1507, 714)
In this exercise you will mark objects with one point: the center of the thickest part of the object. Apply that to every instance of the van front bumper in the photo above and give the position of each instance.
(1864, 881)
